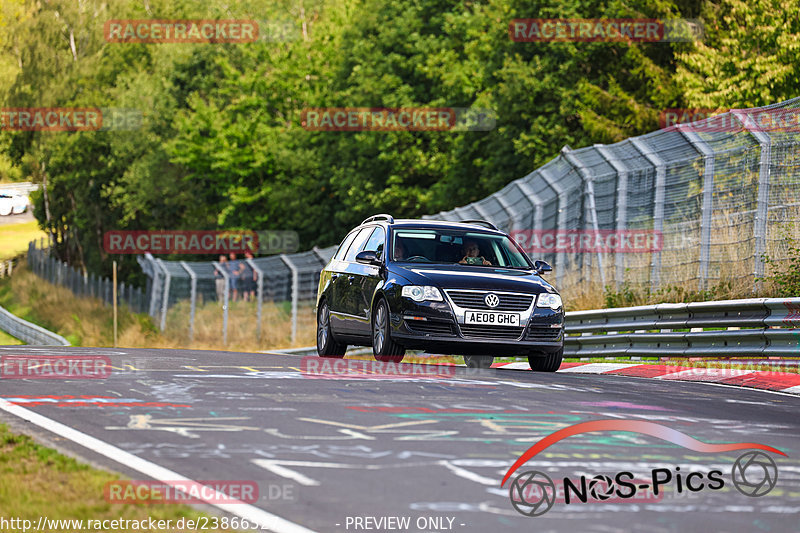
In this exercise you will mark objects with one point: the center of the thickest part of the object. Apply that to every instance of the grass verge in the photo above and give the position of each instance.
(14, 238)
(40, 482)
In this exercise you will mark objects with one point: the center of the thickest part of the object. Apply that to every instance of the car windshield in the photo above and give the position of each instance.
(457, 247)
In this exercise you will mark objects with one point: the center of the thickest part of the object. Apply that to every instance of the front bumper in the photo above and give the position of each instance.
(438, 327)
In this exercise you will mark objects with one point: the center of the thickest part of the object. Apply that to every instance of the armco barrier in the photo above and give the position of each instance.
(759, 327)
(29, 333)
(766, 327)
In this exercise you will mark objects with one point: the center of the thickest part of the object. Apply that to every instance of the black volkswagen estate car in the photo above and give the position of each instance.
(457, 288)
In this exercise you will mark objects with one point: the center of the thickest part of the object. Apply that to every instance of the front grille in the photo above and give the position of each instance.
(429, 327)
(491, 332)
(475, 300)
(542, 334)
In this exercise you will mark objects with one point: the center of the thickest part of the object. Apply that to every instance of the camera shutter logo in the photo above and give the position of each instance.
(754, 474)
(536, 485)
(492, 300)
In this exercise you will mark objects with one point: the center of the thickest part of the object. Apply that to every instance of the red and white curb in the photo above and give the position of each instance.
(765, 380)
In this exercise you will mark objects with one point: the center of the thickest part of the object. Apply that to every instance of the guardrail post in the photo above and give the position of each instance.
(259, 294)
(709, 160)
(193, 304)
(762, 203)
(658, 207)
(622, 207)
(295, 293)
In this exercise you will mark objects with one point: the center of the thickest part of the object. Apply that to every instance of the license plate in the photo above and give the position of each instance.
(491, 319)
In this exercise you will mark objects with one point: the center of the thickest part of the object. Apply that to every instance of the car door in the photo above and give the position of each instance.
(367, 279)
(338, 283)
(346, 291)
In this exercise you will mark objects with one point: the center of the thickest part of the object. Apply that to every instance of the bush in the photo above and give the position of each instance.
(785, 279)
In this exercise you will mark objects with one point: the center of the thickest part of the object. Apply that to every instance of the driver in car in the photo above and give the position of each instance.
(399, 252)
(470, 250)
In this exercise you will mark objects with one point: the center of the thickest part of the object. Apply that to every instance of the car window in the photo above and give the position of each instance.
(375, 242)
(345, 245)
(456, 246)
(358, 244)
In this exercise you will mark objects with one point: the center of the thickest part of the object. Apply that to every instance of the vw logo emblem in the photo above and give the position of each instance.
(492, 300)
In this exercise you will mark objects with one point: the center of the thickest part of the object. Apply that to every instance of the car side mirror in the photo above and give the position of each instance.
(368, 257)
(541, 267)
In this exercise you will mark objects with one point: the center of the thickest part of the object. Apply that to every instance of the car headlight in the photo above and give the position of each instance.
(419, 293)
(553, 301)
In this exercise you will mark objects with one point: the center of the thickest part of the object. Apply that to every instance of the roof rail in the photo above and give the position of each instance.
(382, 216)
(480, 222)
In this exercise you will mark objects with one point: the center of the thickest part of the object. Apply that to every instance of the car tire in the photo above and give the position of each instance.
(546, 363)
(478, 361)
(384, 348)
(326, 345)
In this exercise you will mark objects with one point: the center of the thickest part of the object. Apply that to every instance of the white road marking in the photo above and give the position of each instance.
(250, 513)
(595, 368)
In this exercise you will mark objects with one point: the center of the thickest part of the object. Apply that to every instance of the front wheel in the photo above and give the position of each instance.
(326, 346)
(546, 363)
(384, 348)
(478, 361)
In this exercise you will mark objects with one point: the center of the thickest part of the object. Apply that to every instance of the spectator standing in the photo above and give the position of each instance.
(234, 269)
(219, 278)
(249, 277)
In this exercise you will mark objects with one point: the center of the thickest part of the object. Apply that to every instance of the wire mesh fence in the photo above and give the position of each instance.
(717, 199)
(178, 289)
(718, 193)
(81, 283)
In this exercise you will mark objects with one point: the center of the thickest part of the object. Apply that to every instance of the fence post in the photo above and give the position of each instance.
(588, 180)
(164, 294)
(534, 200)
(114, 301)
(561, 218)
(482, 212)
(154, 288)
(222, 270)
(762, 205)
(622, 206)
(658, 207)
(295, 293)
(709, 160)
(193, 277)
(259, 294)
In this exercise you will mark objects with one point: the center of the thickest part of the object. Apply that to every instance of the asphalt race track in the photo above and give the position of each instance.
(326, 452)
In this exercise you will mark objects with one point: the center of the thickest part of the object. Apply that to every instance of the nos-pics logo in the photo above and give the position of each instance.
(533, 493)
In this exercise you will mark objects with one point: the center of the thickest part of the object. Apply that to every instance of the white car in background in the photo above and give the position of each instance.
(11, 203)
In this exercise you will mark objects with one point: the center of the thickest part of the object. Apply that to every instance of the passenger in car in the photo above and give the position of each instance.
(470, 250)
